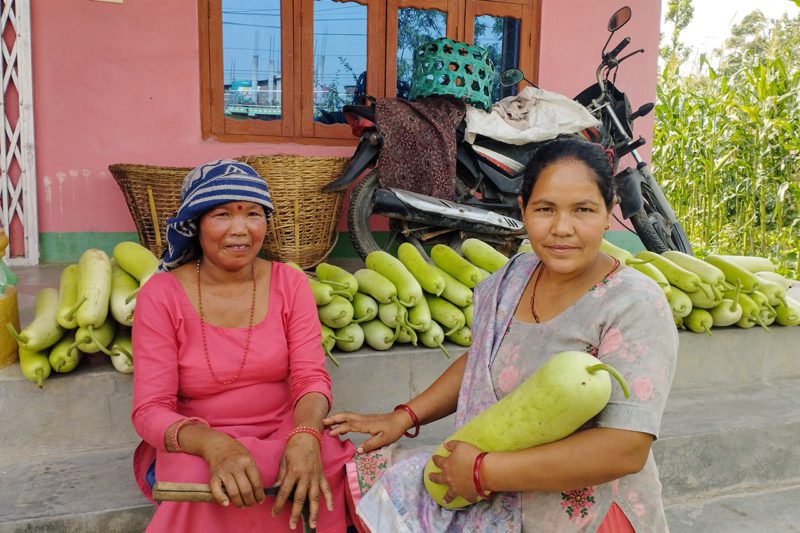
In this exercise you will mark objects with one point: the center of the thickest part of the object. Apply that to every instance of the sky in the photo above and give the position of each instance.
(713, 19)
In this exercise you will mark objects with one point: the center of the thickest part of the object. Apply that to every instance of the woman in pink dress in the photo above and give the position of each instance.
(230, 386)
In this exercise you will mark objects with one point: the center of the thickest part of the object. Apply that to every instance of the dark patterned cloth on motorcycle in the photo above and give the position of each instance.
(419, 144)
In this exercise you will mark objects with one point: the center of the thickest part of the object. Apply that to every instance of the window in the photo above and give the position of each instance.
(251, 60)
(415, 27)
(340, 57)
(283, 69)
(500, 37)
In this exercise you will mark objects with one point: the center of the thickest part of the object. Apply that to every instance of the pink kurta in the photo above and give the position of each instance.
(172, 381)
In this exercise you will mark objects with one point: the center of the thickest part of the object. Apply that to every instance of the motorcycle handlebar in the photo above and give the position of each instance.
(623, 58)
(617, 49)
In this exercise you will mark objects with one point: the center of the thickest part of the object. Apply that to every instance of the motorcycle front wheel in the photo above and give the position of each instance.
(359, 214)
(654, 228)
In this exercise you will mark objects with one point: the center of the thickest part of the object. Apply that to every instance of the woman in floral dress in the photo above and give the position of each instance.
(566, 295)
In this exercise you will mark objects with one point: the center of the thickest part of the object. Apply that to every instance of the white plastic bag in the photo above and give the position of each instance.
(533, 115)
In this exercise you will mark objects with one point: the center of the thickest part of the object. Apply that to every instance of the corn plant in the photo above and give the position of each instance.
(727, 151)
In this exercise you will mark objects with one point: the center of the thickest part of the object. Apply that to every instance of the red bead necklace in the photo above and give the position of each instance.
(203, 328)
(533, 291)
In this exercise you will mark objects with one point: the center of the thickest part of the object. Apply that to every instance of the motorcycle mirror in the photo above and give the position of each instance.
(619, 19)
(511, 77)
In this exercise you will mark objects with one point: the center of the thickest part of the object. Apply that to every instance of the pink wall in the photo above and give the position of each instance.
(572, 37)
(119, 83)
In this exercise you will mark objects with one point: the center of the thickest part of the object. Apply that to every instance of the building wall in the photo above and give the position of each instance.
(119, 83)
(571, 46)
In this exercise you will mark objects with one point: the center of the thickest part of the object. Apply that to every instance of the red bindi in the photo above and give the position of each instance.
(239, 207)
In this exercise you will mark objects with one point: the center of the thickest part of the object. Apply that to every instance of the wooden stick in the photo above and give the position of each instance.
(165, 491)
(154, 216)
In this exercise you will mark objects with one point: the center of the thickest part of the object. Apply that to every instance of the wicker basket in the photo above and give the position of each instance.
(153, 195)
(303, 227)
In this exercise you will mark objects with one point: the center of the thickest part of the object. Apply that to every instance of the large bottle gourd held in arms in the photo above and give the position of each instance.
(562, 395)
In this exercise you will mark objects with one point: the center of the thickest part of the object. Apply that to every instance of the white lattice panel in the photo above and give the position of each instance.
(17, 160)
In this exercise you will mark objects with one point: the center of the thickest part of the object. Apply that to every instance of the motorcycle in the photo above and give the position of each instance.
(489, 177)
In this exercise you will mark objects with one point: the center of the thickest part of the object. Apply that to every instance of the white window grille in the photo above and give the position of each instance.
(17, 156)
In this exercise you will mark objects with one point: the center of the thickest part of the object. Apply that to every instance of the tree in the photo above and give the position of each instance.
(679, 14)
(757, 39)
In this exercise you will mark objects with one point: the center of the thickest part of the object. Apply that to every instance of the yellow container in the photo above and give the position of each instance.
(9, 313)
(9, 310)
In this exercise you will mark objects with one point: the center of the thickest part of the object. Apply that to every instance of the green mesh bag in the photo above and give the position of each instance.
(448, 67)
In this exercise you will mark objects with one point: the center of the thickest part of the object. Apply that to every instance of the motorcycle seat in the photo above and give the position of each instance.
(363, 111)
(360, 118)
(519, 153)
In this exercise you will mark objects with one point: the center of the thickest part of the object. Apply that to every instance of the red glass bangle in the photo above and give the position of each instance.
(414, 419)
(306, 429)
(476, 476)
(190, 420)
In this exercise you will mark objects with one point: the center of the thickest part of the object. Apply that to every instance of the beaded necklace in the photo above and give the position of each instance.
(203, 328)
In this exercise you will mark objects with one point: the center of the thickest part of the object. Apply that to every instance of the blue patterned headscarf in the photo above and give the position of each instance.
(207, 186)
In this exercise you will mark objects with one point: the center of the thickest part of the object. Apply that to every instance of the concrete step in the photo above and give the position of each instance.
(716, 439)
(720, 447)
(728, 447)
(86, 410)
(68, 493)
(378, 381)
(102, 396)
(732, 356)
(770, 509)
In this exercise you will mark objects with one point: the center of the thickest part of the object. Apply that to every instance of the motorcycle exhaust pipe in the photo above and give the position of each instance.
(430, 211)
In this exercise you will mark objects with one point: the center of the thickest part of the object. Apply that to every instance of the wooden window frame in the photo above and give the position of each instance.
(529, 14)
(297, 63)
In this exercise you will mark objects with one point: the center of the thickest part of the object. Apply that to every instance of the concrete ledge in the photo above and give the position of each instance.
(109, 521)
(85, 492)
(770, 509)
(721, 437)
(377, 381)
(87, 410)
(733, 355)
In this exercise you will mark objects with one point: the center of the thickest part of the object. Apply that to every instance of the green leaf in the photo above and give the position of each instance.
(783, 188)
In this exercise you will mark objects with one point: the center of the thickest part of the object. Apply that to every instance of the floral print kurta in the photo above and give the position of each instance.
(626, 322)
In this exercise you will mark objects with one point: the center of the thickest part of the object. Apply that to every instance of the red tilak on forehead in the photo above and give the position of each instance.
(239, 207)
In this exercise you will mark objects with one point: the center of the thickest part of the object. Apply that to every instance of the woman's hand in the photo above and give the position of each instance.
(234, 474)
(385, 428)
(301, 471)
(456, 471)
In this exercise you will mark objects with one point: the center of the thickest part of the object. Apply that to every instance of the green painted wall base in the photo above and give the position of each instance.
(344, 246)
(625, 239)
(67, 247)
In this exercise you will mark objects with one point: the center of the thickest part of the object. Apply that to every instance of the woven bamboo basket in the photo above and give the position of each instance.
(153, 195)
(303, 226)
